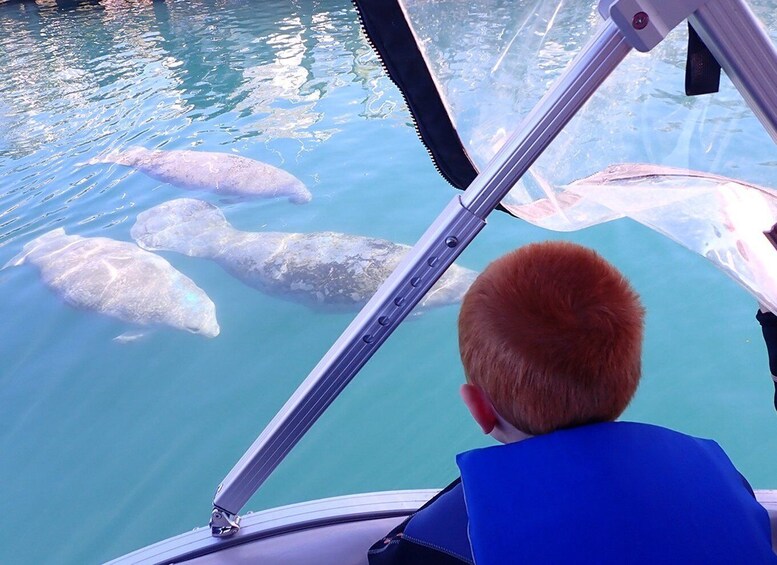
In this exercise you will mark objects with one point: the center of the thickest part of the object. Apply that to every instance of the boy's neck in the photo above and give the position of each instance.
(504, 432)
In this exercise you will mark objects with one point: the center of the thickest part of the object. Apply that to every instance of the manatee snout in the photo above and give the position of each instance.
(199, 314)
(301, 196)
(207, 330)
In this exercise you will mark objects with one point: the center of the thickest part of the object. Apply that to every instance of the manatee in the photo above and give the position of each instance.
(222, 173)
(324, 270)
(119, 279)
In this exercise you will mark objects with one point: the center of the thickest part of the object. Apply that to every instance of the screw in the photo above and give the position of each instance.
(640, 20)
(451, 241)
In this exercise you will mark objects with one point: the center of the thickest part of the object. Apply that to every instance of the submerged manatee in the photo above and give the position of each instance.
(119, 279)
(223, 173)
(323, 270)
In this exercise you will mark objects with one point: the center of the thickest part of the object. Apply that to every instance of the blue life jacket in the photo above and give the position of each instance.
(620, 493)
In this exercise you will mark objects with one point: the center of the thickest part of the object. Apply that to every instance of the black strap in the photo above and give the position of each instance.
(702, 70)
(390, 35)
(771, 235)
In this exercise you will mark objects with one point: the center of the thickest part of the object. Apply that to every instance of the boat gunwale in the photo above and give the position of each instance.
(273, 522)
(320, 513)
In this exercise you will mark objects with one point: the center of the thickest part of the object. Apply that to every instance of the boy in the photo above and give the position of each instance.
(550, 338)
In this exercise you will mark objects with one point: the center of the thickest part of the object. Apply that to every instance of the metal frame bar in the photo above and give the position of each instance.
(722, 24)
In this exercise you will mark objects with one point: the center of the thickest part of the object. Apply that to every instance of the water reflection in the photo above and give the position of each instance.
(83, 78)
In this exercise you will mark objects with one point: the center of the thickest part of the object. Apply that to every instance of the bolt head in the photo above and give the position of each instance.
(640, 20)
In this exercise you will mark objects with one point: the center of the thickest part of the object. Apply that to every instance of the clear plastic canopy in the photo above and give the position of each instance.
(690, 168)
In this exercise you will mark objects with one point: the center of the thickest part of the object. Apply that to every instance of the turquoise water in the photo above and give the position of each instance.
(107, 446)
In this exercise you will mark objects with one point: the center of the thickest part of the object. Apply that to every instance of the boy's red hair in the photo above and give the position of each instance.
(552, 333)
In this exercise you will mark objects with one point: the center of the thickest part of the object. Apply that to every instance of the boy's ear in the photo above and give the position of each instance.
(479, 406)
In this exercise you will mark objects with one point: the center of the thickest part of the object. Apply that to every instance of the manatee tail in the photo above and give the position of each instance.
(128, 157)
(185, 225)
(31, 246)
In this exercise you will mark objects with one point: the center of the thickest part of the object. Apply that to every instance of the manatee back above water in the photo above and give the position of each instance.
(121, 280)
(222, 173)
(325, 270)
